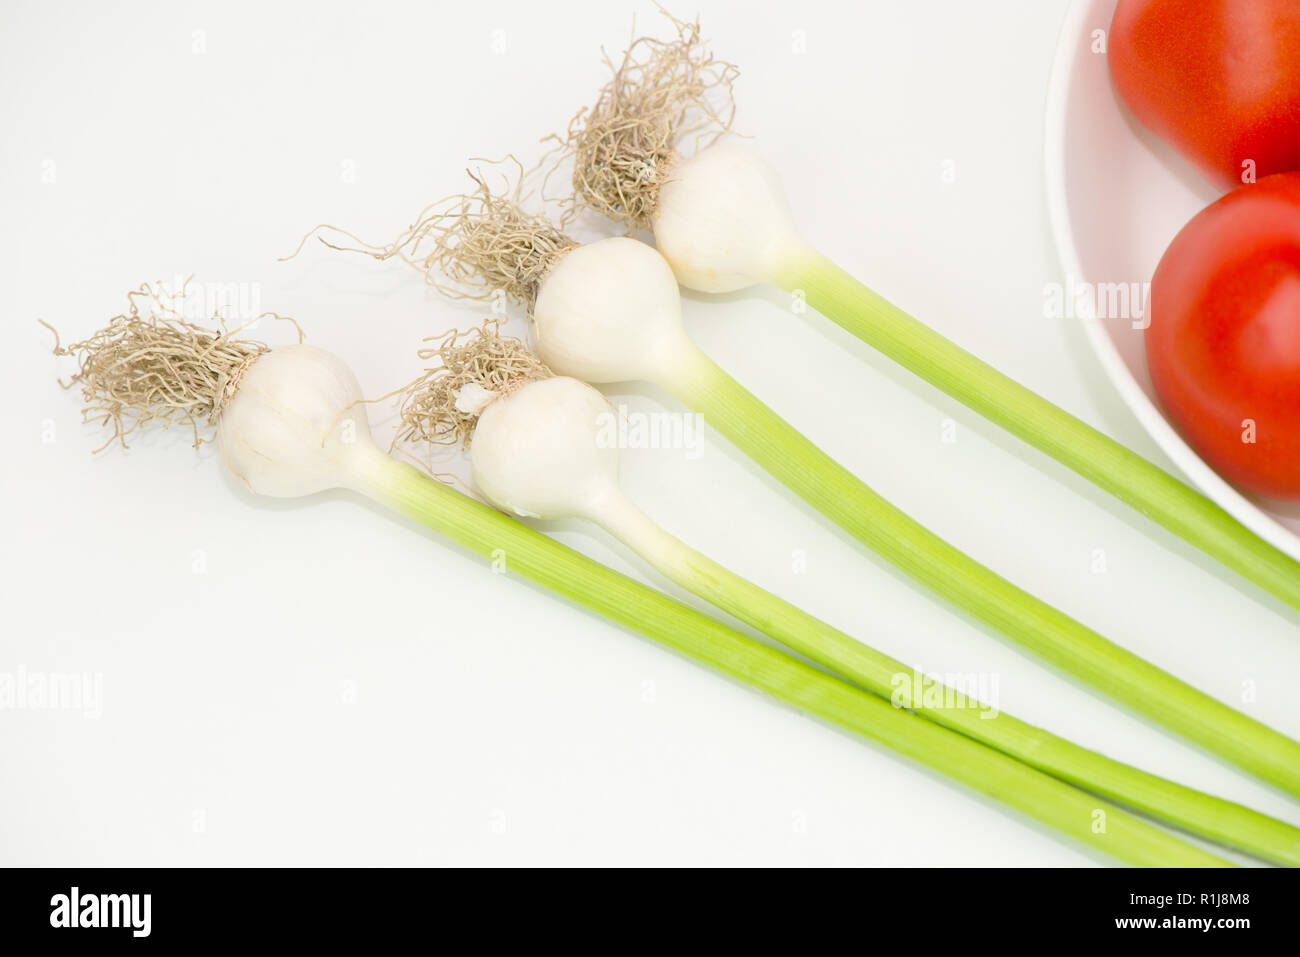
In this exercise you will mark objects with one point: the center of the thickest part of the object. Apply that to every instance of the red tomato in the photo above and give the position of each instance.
(1223, 346)
(1219, 80)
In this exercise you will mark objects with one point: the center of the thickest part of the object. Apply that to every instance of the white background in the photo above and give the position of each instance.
(316, 682)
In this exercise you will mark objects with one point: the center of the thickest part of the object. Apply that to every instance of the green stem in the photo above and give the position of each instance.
(1097, 457)
(530, 554)
(1210, 817)
(1060, 640)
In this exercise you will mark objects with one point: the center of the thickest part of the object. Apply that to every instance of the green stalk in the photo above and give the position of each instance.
(1097, 457)
(1210, 817)
(532, 555)
(1052, 635)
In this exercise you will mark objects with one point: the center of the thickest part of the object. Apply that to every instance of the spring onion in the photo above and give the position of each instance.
(539, 448)
(289, 422)
(610, 311)
(722, 221)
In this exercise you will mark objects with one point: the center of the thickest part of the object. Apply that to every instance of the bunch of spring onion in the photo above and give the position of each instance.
(538, 449)
(610, 311)
(290, 422)
(722, 221)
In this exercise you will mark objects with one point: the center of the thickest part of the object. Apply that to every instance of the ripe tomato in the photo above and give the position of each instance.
(1223, 346)
(1219, 80)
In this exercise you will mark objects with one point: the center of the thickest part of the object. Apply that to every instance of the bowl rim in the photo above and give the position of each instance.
(1184, 458)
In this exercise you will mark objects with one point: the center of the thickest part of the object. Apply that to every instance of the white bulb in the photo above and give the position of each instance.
(295, 425)
(549, 450)
(610, 311)
(722, 220)
(541, 450)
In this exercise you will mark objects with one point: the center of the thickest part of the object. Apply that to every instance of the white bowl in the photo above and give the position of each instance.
(1116, 197)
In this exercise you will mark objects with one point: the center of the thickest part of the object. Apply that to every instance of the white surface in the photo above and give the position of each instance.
(336, 687)
(1117, 197)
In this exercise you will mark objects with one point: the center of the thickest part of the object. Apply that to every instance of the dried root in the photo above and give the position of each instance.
(624, 146)
(151, 365)
(473, 245)
(472, 368)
